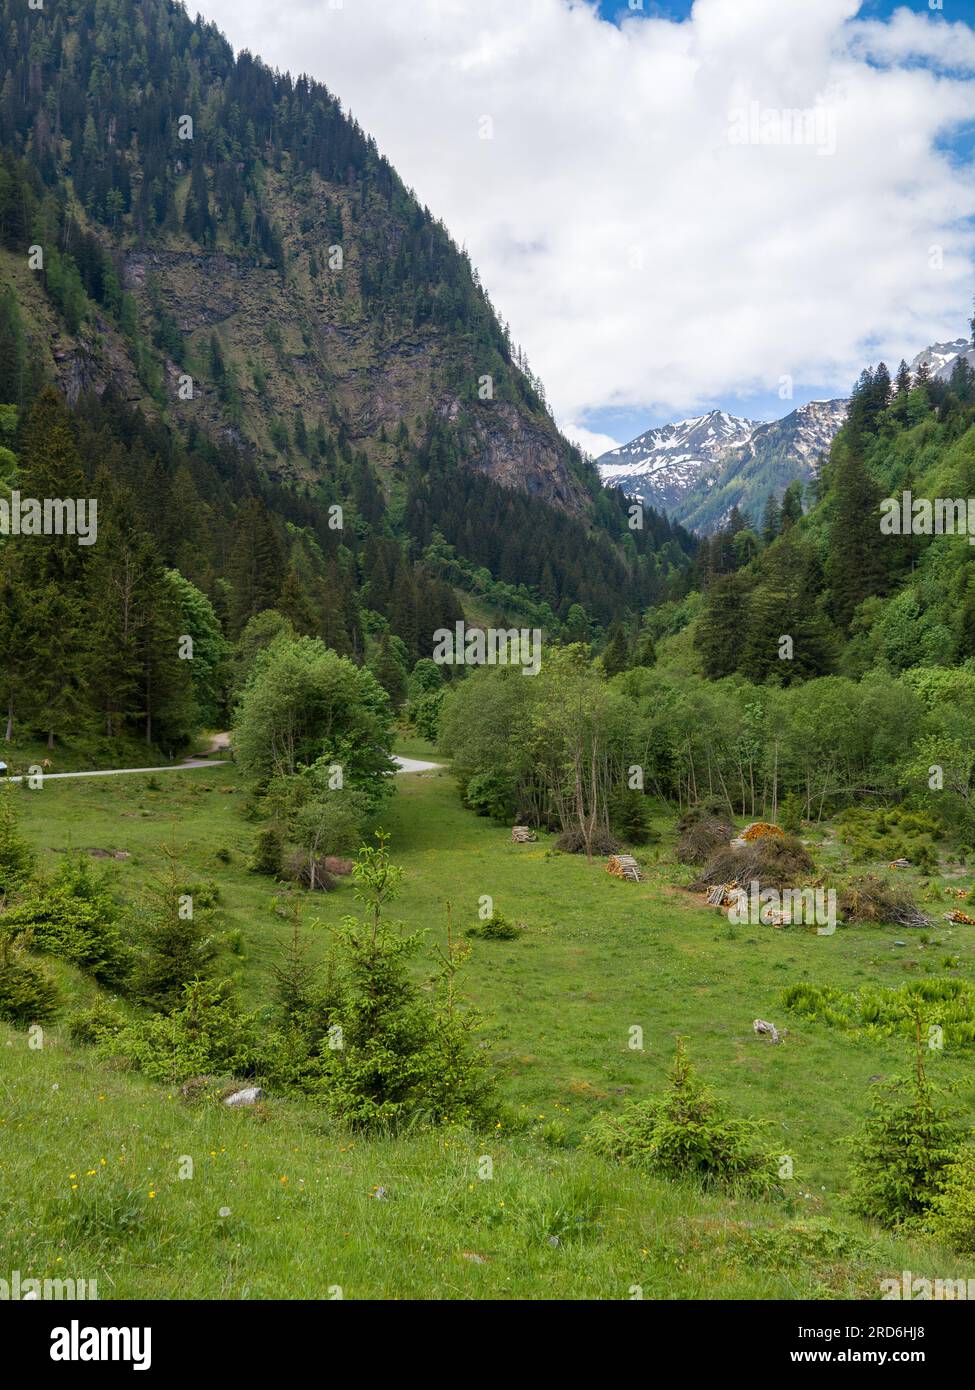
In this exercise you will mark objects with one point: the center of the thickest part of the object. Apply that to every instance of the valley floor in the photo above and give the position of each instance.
(280, 1204)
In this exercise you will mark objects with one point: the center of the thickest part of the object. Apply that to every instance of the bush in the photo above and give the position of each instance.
(28, 993)
(495, 928)
(790, 813)
(890, 834)
(878, 1012)
(404, 1058)
(16, 856)
(207, 1033)
(177, 948)
(100, 1021)
(953, 1209)
(489, 794)
(903, 1149)
(629, 816)
(75, 918)
(268, 855)
(684, 1134)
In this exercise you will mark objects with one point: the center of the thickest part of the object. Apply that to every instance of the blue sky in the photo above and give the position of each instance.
(870, 9)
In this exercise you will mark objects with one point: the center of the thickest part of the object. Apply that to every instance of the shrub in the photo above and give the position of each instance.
(268, 855)
(953, 1209)
(28, 993)
(404, 1057)
(685, 1134)
(99, 1021)
(903, 1149)
(790, 813)
(495, 928)
(895, 833)
(879, 1012)
(75, 918)
(16, 856)
(177, 947)
(207, 1033)
(629, 816)
(489, 794)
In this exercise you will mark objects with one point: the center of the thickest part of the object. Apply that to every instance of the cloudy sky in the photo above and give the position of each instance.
(675, 206)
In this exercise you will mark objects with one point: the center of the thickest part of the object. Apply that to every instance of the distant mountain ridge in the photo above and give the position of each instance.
(696, 470)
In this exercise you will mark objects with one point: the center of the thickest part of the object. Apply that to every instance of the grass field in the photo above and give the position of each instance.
(92, 1157)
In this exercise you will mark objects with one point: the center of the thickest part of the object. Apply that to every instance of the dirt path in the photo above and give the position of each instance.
(403, 765)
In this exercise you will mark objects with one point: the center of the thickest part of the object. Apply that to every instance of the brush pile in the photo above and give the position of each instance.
(703, 830)
(774, 862)
(873, 899)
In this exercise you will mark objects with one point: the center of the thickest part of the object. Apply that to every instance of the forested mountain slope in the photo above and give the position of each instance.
(282, 379)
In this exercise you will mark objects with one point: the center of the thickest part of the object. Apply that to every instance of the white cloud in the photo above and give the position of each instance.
(589, 441)
(642, 257)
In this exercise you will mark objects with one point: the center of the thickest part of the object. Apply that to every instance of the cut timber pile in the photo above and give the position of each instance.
(760, 830)
(522, 835)
(961, 917)
(624, 866)
(720, 895)
(762, 1025)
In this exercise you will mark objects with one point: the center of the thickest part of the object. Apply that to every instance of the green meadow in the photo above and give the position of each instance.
(275, 1201)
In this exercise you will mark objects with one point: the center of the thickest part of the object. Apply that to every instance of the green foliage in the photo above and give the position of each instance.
(268, 857)
(404, 1058)
(176, 948)
(876, 1012)
(304, 704)
(28, 992)
(101, 1020)
(629, 816)
(496, 928)
(206, 1033)
(16, 856)
(904, 1148)
(685, 1134)
(952, 1210)
(890, 834)
(74, 917)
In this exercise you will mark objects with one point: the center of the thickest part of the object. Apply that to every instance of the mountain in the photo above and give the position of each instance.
(941, 357)
(698, 469)
(279, 362)
(664, 465)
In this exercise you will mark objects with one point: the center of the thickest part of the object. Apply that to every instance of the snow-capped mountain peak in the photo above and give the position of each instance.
(674, 456)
